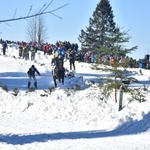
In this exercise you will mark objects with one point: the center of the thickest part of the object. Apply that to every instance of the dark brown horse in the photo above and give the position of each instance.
(58, 74)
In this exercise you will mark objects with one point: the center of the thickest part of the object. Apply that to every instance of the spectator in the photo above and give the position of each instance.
(33, 50)
(111, 61)
(72, 60)
(4, 44)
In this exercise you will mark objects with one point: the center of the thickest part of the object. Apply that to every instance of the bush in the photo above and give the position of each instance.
(50, 90)
(4, 87)
(15, 91)
(32, 89)
(138, 95)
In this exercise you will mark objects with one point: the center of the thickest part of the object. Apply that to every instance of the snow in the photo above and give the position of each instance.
(68, 119)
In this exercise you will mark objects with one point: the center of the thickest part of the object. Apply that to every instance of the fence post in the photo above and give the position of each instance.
(120, 98)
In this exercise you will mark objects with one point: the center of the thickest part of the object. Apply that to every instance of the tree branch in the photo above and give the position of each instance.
(41, 12)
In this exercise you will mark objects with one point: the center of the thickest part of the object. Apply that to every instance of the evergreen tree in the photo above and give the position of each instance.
(100, 26)
(108, 40)
(118, 39)
(118, 52)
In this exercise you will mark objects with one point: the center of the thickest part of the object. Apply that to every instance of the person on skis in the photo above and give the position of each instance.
(31, 73)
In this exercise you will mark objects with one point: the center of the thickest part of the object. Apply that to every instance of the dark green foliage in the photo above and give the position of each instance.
(15, 91)
(118, 39)
(50, 90)
(70, 91)
(100, 25)
(118, 52)
(115, 80)
(4, 87)
(103, 36)
(31, 89)
(137, 95)
(44, 95)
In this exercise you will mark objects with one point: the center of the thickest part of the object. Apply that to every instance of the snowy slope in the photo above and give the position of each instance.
(64, 119)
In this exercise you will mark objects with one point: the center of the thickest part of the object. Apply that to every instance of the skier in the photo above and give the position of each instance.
(31, 74)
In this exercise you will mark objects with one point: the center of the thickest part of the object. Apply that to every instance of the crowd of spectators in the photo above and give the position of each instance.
(65, 48)
(48, 49)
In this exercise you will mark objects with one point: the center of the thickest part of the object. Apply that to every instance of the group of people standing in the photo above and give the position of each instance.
(60, 52)
(25, 48)
(58, 71)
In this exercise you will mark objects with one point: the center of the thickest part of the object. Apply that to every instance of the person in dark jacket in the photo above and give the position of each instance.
(31, 73)
(4, 44)
(58, 61)
(72, 60)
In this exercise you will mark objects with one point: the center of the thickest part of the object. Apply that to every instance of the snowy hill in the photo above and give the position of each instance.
(68, 119)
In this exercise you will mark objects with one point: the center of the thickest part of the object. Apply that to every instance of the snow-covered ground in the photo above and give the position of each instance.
(68, 119)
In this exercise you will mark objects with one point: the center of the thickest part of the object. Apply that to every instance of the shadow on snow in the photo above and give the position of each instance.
(20, 79)
(128, 128)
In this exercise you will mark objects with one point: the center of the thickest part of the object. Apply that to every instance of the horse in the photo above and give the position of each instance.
(58, 74)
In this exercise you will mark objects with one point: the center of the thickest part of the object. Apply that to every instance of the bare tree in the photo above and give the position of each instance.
(37, 29)
(31, 29)
(42, 11)
(41, 30)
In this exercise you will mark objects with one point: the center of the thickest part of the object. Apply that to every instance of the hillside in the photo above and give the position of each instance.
(67, 119)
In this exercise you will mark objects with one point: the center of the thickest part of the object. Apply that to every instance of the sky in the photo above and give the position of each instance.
(132, 16)
(68, 119)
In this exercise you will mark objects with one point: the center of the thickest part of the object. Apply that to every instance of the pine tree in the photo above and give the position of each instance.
(100, 26)
(118, 40)
(119, 50)
(108, 40)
